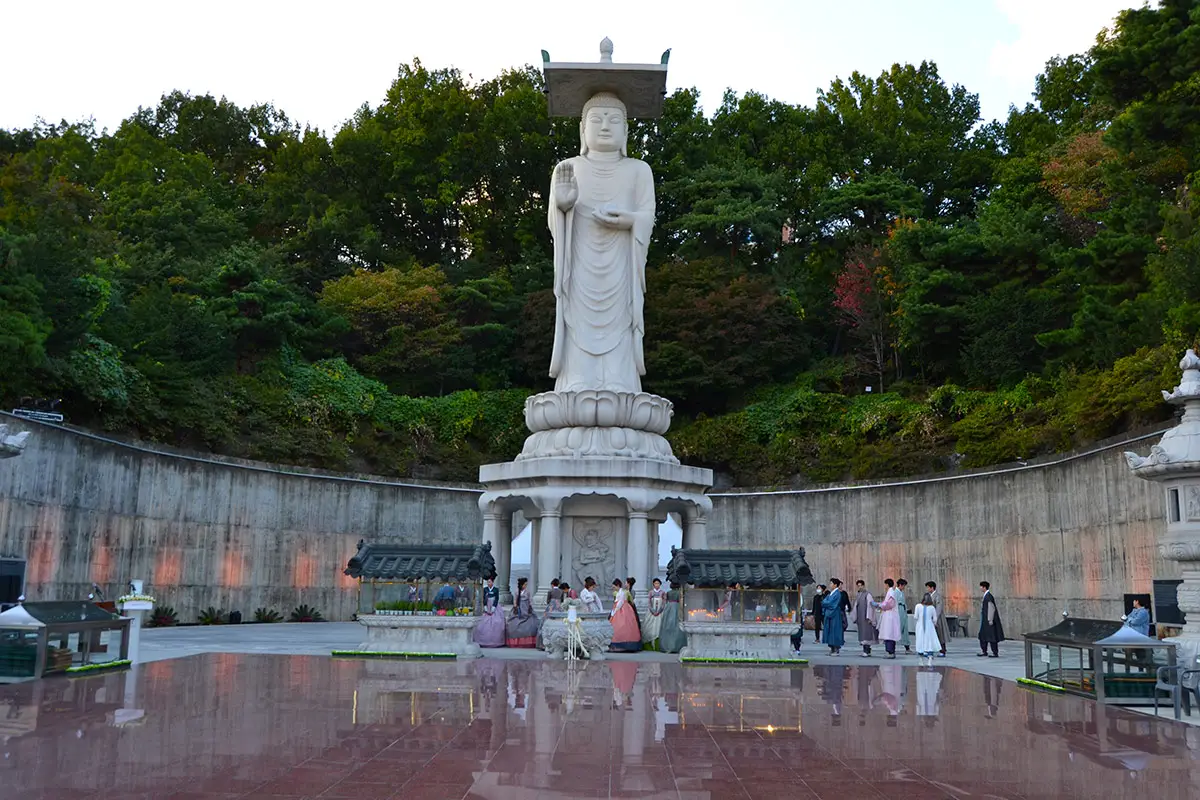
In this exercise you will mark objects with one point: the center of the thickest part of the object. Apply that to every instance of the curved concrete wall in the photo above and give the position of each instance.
(1073, 533)
(82, 509)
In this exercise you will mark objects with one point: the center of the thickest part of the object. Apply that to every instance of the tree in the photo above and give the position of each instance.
(402, 326)
(866, 294)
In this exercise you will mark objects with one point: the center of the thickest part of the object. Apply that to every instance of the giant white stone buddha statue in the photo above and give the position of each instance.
(601, 215)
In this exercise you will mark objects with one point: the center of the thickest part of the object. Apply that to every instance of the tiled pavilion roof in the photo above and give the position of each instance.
(758, 569)
(402, 562)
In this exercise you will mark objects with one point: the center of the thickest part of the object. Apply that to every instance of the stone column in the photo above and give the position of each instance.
(535, 532)
(654, 545)
(1175, 464)
(637, 556)
(497, 529)
(695, 531)
(548, 555)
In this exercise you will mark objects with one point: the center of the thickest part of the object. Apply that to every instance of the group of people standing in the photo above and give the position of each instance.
(887, 620)
(521, 628)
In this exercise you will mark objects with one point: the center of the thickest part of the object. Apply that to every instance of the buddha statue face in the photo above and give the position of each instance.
(603, 128)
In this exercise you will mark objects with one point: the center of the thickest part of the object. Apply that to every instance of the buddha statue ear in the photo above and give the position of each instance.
(583, 148)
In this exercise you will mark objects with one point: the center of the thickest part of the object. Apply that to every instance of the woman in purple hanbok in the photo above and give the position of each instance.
(490, 630)
(522, 626)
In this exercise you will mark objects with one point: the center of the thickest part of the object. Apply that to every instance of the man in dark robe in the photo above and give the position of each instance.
(818, 613)
(991, 632)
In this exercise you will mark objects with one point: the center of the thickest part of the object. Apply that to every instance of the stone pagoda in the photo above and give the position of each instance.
(596, 475)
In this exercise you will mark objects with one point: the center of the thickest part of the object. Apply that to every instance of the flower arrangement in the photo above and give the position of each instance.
(135, 598)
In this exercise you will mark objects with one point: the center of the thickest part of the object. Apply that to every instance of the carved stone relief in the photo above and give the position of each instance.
(594, 551)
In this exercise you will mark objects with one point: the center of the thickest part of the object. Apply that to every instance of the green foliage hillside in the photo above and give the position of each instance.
(377, 298)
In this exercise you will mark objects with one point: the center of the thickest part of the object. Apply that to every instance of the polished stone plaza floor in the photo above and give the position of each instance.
(228, 725)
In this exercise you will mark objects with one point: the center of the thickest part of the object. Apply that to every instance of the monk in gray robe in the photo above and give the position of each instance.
(866, 617)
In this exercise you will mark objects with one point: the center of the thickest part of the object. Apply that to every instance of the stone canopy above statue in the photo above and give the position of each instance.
(641, 87)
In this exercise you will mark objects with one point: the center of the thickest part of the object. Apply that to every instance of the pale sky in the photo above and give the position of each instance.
(320, 61)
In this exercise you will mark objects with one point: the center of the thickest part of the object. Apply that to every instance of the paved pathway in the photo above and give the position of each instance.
(322, 638)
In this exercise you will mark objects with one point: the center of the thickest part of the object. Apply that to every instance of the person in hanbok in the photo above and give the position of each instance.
(889, 618)
(553, 603)
(523, 626)
(627, 638)
(629, 584)
(925, 622)
(590, 597)
(490, 630)
(939, 605)
(656, 602)
(818, 611)
(672, 639)
(991, 630)
(866, 618)
(414, 593)
(833, 631)
(902, 599)
(567, 592)
(443, 599)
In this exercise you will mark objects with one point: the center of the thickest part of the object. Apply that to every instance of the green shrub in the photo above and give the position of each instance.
(211, 616)
(162, 617)
(267, 615)
(304, 613)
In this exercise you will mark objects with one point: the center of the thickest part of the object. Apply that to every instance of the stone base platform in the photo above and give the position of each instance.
(764, 640)
(644, 482)
(399, 634)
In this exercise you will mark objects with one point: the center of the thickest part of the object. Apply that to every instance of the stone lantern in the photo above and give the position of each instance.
(1175, 463)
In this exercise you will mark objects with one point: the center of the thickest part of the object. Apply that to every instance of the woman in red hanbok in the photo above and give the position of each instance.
(627, 637)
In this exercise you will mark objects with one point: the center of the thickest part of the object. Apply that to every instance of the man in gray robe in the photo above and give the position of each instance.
(939, 605)
(865, 617)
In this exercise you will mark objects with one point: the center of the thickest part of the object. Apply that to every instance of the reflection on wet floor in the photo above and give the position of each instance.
(226, 725)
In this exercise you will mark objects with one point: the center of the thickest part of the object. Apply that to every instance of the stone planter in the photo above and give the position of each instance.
(597, 634)
(765, 640)
(400, 634)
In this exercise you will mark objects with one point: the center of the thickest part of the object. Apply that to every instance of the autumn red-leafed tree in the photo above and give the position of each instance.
(865, 294)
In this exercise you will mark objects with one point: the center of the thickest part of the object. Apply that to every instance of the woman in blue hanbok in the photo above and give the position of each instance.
(833, 633)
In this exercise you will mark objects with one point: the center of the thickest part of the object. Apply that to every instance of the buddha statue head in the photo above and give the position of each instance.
(603, 127)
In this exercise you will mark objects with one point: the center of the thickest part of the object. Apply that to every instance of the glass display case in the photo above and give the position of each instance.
(42, 638)
(740, 604)
(418, 597)
(420, 580)
(1100, 659)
